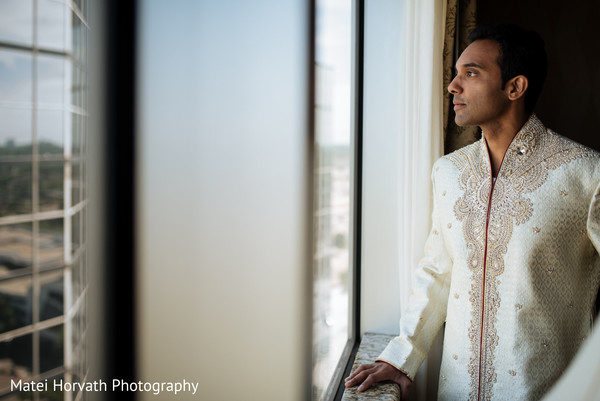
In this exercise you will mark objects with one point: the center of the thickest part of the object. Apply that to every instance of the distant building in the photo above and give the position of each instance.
(43, 197)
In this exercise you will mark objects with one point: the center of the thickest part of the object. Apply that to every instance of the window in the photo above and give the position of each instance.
(43, 197)
(334, 204)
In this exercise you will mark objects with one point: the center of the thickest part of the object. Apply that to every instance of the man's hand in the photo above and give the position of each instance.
(371, 373)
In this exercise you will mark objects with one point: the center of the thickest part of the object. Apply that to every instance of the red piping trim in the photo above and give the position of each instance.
(487, 223)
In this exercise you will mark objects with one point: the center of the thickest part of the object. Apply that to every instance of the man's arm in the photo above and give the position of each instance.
(424, 315)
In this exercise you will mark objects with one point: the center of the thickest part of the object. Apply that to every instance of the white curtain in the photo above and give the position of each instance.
(422, 42)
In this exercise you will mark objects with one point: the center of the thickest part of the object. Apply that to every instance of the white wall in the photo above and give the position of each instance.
(224, 266)
(380, 309)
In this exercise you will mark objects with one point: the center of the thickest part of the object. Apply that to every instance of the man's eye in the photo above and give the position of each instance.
(470, 73)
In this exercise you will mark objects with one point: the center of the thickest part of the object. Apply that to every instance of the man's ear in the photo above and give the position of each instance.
(516, 87)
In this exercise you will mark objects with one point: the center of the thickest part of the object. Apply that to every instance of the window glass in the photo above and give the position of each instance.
(76, 88)
(51, 21)
(84, 224)
(51, 295)
(333, 197)
(77, 37)
(50, 131)
(76, 280)
(77, 328)
(75, 182)
(15, 131)
(51, 185)
(50, 79)
(15, 248)
(68, 93)
(15, 76)
(76, 232)
(15, 303)
(36, 90)
(16, 21)
(16, 355)
(84, 270)
(51, 242)
(84, 88)
(51, 348)
(76, 325)
(15, 181)
(57, 395)
(75, 134)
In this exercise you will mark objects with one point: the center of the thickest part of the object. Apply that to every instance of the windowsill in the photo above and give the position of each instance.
(370, 347)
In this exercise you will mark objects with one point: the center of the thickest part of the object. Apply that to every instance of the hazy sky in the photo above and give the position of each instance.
(16, 70)
(333, 53)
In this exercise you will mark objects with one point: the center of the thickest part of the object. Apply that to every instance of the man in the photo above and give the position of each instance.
(511, 263)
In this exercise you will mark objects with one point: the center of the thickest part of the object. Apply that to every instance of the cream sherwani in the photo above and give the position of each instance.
(512, 266)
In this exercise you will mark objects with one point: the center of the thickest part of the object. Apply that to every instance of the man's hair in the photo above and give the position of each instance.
(522, 52)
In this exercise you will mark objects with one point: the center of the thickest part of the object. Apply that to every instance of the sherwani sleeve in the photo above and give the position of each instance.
(593, 221)
(426, 310)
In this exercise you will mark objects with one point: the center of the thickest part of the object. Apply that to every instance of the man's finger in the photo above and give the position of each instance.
(367, 383)
(362, 376)
(361, 368)
(357, 379)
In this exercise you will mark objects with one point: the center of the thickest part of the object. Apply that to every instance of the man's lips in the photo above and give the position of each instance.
(458, 103)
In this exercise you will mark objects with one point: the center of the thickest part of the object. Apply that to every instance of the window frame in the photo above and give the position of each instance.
(335, 390)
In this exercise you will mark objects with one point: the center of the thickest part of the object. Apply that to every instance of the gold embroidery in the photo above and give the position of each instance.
(563, 192)
(512, 372)
(535, 229)
(532, 154)
(518, 306)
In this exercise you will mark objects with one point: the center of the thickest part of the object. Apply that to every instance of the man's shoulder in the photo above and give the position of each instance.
(559, 151)
(568, 144)
(458, 158)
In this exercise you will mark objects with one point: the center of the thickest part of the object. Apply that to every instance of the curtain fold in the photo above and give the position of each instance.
(429, 45)
(422, 142)
(461, 19)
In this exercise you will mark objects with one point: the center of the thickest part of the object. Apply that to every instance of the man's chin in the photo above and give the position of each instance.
(463, 122)
(460, 122)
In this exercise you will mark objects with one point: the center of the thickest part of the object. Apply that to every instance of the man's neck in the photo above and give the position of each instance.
(498, 136)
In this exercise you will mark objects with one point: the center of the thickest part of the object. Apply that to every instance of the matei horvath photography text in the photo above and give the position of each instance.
(156, 388)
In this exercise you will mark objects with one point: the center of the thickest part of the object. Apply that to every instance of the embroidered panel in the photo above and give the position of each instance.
(532, 154)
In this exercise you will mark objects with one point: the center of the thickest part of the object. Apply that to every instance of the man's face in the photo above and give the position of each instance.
(477, 88)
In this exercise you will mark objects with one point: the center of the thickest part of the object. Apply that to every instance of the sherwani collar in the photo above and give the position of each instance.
(522, 148)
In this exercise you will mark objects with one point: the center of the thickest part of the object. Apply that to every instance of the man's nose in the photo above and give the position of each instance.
(454, 88)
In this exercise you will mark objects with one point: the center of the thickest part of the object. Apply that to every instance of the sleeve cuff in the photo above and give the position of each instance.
(403, 356)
